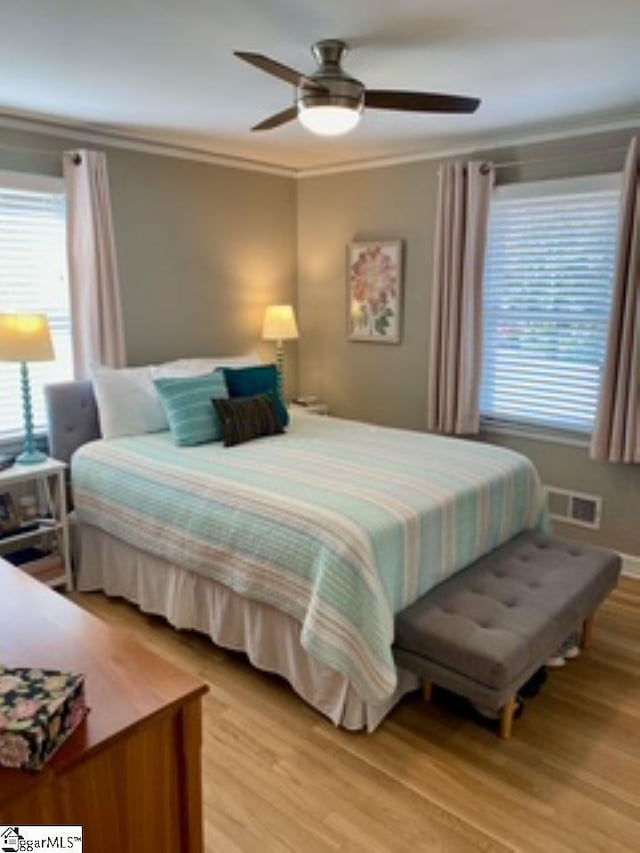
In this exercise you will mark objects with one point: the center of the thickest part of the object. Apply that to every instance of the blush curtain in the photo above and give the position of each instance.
(616, 436)
(96, 311)
(462, 222)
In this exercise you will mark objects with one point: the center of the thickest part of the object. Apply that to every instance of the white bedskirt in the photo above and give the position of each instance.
(270, 638)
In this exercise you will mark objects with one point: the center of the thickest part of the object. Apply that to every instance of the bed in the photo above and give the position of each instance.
(297, 549)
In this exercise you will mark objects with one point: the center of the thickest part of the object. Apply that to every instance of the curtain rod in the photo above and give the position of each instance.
(75, 158)
(510, 164)
(22, 149)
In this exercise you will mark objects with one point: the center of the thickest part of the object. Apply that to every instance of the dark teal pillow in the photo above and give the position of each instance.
(249, 381)
(187, 403)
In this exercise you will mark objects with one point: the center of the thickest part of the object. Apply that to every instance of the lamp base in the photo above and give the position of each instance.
(31, 457)
(280, 371)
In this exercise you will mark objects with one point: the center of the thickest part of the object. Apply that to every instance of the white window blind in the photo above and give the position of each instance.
(33, 279)
(548, 285)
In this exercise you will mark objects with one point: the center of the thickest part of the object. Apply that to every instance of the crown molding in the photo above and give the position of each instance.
(105, 136)
(505, 140)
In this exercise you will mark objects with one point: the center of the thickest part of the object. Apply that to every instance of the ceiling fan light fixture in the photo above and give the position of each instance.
(328, 119)
(329, 101)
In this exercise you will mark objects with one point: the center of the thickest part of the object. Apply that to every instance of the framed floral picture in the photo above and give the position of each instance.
(374, 291)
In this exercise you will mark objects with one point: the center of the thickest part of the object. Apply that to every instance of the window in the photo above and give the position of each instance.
(548, 284)
(33, 279)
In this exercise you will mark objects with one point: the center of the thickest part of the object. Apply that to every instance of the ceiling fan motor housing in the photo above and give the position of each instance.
(339, 88)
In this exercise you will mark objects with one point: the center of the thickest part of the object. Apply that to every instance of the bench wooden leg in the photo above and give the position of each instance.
(506, 720)
(427, 691)
(587, 633)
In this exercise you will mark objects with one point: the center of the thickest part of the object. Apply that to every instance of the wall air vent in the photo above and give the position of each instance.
(574, 507)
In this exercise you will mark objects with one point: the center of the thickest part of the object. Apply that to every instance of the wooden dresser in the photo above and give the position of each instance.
(131, 774)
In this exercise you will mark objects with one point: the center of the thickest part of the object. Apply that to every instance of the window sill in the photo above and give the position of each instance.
(536, 433)
(14, 443)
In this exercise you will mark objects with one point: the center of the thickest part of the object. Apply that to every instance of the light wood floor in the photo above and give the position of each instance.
(279, 777)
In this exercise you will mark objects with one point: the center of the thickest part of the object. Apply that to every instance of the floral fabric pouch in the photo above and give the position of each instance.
(39, 709)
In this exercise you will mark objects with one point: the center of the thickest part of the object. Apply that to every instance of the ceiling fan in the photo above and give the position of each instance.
(330, 102)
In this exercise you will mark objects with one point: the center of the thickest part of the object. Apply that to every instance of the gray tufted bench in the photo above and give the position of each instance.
(484, 632)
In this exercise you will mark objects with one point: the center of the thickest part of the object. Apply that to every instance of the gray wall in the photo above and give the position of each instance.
(387, 384)
(202, 248)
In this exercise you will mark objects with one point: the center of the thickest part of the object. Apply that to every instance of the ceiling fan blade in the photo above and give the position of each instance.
(277, 119)
(423, 102)
(277, 69)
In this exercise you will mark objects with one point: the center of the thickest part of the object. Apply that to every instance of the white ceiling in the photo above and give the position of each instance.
(164, 69)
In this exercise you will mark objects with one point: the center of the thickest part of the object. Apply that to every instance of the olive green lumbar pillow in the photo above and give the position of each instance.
(246, 418)
(187, 403)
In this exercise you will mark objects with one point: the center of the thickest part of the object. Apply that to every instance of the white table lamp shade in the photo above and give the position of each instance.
(25, 337)
(279, 323)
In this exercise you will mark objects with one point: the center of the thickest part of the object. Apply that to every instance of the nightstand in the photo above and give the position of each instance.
(50, 529)
(315, 408)
(318, 409)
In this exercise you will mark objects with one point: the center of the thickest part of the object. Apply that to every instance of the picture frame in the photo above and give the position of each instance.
(374, 291)
(9, 519)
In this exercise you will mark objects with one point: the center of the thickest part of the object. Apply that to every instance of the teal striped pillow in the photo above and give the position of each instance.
(187, 403)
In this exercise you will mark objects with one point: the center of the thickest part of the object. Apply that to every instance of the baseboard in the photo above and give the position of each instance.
(630, 566)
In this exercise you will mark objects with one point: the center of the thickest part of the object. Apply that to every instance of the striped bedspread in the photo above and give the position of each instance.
(337, 523)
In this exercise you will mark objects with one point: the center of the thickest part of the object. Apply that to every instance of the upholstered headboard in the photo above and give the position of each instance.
(72, 416)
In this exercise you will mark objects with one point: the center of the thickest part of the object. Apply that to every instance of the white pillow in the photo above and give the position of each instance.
(200, 366)
(127, 400)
